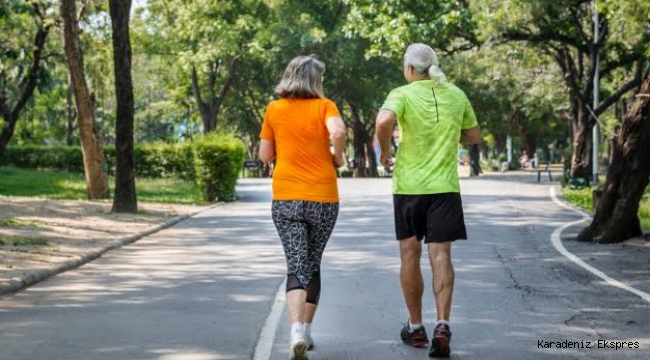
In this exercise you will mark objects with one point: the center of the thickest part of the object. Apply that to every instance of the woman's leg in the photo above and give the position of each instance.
(321, 218)
(293, 231)
(287, 217)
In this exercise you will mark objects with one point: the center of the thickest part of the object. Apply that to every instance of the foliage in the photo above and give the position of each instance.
(392, 25)
(564, 32)
(218, 160)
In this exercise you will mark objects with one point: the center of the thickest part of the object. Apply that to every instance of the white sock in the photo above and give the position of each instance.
(306, 328)
(442, 322)
(297, 328)
(413, 327)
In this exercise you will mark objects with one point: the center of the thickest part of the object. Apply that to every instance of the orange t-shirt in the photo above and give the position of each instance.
(303, 167)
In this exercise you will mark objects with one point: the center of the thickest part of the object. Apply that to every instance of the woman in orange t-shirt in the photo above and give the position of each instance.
(297, 130)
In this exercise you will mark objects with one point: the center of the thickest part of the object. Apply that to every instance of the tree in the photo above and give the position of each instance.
(563, 30)
(382, 30)
(616, 218)
(394, 24)
(125, 196)
(91, 141)
(513, 92)
(210, 40)
(23, 78)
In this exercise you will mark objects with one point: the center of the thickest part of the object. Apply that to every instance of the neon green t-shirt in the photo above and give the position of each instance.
(427, 157)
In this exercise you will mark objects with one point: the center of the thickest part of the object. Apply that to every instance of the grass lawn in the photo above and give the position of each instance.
(583, 198)
(22, 241)
(63, 185)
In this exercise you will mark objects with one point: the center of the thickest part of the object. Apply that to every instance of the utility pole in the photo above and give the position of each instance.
(595, 136)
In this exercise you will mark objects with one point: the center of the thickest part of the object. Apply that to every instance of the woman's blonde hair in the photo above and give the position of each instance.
(302, 79)
(424, 60)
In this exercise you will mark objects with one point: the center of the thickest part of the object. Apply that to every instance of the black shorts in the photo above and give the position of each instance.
(435, 217)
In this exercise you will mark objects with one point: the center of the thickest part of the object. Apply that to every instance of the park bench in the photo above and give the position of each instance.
(549, 168)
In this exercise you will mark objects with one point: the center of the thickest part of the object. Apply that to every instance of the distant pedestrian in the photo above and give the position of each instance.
(296, 132)
(433, 116)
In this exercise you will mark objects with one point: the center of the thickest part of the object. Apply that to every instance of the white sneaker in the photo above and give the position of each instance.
(298, 350)
(309, 341)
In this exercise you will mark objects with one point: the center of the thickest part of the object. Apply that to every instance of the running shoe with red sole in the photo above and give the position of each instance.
(440, 342)
(417, 338)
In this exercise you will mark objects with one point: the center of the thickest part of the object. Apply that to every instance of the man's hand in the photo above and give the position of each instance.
(386, 159)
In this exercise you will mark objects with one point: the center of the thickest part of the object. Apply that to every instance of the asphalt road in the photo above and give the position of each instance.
(203, 289)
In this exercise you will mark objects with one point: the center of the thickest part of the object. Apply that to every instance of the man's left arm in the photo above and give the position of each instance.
(471, 132)
(471, 136)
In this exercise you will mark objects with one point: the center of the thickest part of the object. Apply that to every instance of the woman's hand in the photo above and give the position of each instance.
(338, 161)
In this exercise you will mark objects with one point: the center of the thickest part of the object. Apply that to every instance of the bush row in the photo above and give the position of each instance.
(213, 162)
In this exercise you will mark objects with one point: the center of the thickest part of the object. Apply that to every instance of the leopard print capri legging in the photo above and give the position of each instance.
(304, 228)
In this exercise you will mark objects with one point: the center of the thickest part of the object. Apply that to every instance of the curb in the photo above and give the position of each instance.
(19, 283)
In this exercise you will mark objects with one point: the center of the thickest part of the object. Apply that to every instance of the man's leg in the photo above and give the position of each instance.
(411, 277)
(443, 277)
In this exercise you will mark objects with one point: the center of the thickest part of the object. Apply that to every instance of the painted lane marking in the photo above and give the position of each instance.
(557, 243)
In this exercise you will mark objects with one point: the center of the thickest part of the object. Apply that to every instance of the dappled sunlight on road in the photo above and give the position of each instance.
(171, 354)
(170, 284)
(202, 289)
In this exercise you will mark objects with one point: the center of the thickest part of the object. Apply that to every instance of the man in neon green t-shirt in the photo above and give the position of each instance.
(433, 116)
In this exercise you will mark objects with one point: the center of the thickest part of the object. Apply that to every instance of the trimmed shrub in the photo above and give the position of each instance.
(67, 158)
(213, 162)
(160, 160)
(218, 160)
(157, 160)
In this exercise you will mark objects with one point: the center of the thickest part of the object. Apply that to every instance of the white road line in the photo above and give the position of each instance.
(557, 242)
(264, 345)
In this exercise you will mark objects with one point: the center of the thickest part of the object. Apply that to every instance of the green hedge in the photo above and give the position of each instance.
(66, 158)
(156, 160)
(217, 161)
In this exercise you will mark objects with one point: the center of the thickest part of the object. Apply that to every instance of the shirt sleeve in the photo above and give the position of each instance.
(469, 118)
(395, 103)
(330, 109)
(267, 131)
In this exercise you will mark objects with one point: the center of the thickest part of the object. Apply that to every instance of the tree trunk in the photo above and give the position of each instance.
(209, 110)
(616, 217)
(474, 160)
(372, 158)
(11, 114)
(360, 154)
(91, 142)
(125, 200)
(71, 115)
(7, 132)
(531, 144)
(500, 143)
(581, 158)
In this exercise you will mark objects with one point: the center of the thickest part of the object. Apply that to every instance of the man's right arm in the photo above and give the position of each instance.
(385, 123)
(471, 136)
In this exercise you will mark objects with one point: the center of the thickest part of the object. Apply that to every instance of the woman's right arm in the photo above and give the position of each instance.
(337, 130)
(267, 150)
